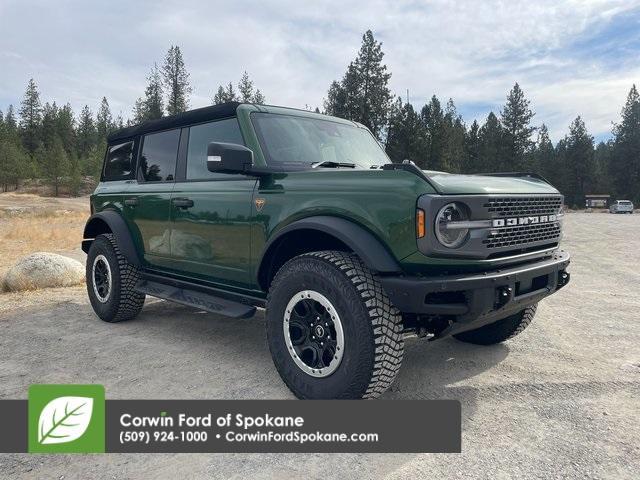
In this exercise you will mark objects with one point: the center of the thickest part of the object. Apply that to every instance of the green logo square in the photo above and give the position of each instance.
(66, 419)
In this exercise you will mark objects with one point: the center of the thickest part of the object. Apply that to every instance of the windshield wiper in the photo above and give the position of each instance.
(332, 164)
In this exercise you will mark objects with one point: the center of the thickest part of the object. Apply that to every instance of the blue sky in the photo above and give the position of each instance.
(570, 57)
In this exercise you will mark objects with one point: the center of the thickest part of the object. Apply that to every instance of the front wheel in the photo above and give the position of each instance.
(501, 330)
(332, 330)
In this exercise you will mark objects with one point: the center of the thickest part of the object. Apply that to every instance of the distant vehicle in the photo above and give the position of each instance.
(621, 206)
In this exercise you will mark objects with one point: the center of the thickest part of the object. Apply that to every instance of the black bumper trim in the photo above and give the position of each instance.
(488, 295)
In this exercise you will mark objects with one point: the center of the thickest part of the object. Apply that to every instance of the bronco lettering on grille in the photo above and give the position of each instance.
(515, 221)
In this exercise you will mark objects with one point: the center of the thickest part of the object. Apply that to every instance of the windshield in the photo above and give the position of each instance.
(293, 143)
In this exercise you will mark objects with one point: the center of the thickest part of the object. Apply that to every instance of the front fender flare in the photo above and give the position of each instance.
(362, 242)
(117, 225)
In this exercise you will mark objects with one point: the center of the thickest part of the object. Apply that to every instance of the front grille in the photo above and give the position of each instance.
(523, 206)
(521, 236)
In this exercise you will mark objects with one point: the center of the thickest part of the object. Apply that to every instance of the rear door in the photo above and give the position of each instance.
(211, 212)
(147, 203)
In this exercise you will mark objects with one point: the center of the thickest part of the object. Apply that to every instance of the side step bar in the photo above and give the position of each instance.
(196, 299)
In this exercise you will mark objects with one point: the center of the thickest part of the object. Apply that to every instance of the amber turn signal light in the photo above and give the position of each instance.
(420, 228)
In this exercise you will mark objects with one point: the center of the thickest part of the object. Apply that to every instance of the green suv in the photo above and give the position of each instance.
(235, 207)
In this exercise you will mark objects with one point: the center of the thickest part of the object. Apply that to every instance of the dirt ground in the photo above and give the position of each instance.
(559, 401)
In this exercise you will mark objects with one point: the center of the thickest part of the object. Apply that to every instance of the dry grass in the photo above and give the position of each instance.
(31, 224)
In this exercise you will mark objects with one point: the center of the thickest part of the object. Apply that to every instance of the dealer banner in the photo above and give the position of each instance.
(78, 419)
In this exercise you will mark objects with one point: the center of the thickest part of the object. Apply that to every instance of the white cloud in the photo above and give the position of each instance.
(470, 51)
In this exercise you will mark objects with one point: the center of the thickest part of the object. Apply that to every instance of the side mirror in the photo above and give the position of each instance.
(229, 158)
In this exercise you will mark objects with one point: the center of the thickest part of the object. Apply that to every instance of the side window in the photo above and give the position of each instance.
(158, 158)
(119, 162)
(200, 136)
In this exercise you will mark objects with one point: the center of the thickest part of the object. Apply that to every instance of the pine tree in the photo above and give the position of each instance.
(65, 128)
(13, 161)
(245, 88)
(15, 164)
(176, 81)
(225, 95)
(86, 132)
(74, 179)
(259, 98)
(246, 91)
(580, 165)
(545, 161)
(516, 122)
(30, 117)
(363, 94)
(405, 138)
(104, 119)
(625, 157)
(602, 158)
(56, 163)
(151, 106)
(336, 101)
(92, 164)
(432, 117)
(491, 135)
(49, 124)
(454, 135)
(560, 177)
(10, 123)
(472, 149)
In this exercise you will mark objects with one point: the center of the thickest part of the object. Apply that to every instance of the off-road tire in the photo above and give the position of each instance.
(373, 342)
(124, 302)
(501, 330)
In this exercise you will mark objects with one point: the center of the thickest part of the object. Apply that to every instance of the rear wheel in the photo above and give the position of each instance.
(501, 330)
(111, 281)
(332, 331)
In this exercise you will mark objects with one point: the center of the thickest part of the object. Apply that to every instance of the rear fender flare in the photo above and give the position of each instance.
(116, 225)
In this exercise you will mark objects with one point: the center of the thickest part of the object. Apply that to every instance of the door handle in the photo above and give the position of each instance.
(182, 202)
(131, 202)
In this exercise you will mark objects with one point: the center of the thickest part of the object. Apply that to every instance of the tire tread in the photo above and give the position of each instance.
(386, 320)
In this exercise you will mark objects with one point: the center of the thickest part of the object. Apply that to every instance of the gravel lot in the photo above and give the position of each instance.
(561, 400)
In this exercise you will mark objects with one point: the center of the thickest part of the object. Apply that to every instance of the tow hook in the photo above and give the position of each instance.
(503, 295)
(563, 278)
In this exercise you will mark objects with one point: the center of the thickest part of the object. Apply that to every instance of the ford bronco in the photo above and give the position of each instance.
(235, 207)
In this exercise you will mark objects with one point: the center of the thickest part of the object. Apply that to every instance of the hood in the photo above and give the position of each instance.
(451, 184)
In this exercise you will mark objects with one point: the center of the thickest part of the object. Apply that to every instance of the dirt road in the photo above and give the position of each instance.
(561, 400)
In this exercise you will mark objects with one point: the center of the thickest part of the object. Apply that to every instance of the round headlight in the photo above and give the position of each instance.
(449, 231)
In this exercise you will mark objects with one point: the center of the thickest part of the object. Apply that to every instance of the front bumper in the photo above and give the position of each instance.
(476, 299)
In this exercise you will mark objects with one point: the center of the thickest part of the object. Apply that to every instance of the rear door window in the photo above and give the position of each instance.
(227, 131)
(118, 164)
(158, 157)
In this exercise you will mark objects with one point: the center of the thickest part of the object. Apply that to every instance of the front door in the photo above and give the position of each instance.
(147, 202)
(211, 212)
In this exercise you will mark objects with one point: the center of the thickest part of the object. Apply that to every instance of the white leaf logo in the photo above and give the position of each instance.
(64, 419)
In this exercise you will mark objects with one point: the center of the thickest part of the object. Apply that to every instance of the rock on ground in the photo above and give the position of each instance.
(44, 270)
